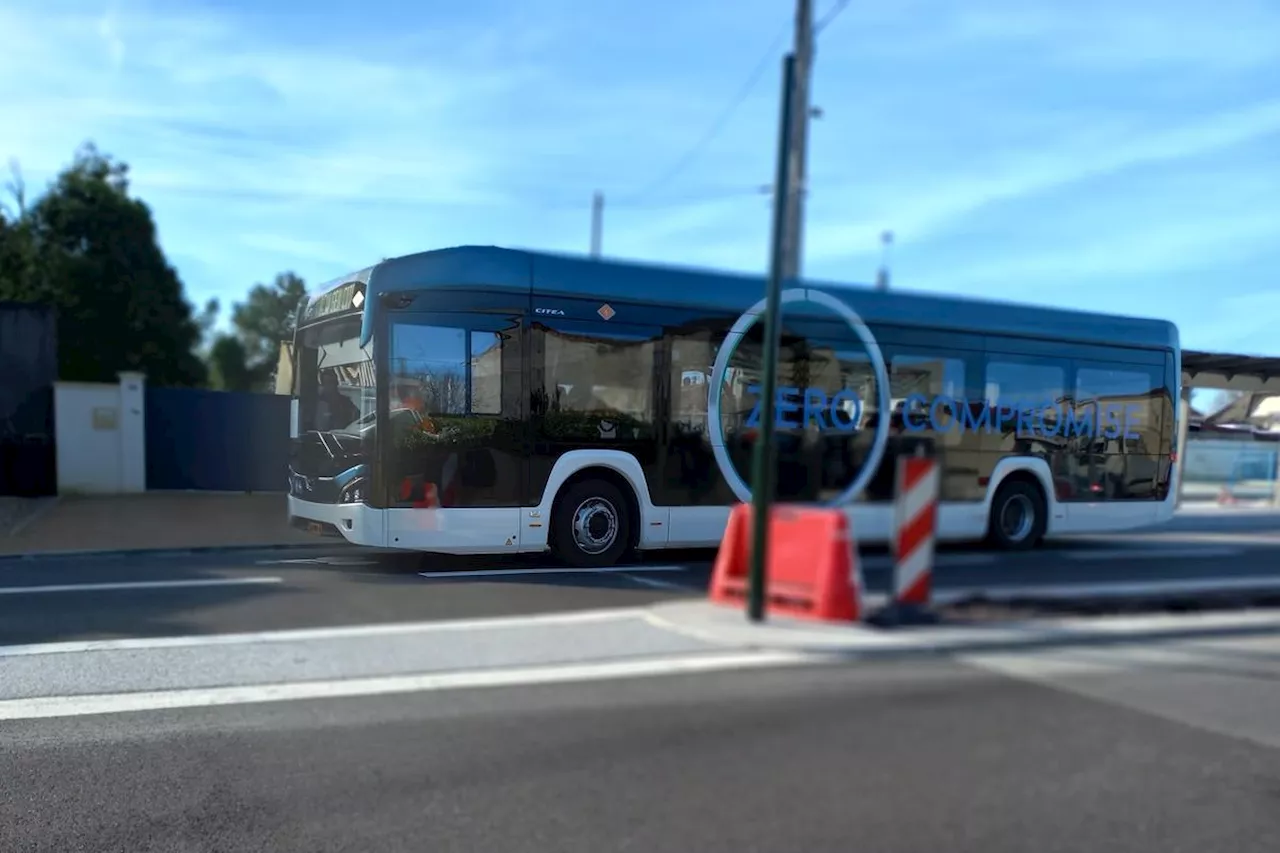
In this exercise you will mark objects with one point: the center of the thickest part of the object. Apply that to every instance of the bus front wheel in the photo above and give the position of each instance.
(591, 525)
(1018, 516)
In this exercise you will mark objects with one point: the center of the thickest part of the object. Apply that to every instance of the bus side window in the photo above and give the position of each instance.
(1125, 396)
(486, 373)
(1015, 385)
(429, 366)
(1128, 402)
(915, 381)
(692, 357)
(602, 371)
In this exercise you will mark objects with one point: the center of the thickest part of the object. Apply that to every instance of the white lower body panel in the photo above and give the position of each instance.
(474, 530)
(1113, 516)
(357, 523)
(510, 530)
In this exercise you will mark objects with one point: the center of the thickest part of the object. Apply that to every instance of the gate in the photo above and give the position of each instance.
(217, 440)
(28, 369)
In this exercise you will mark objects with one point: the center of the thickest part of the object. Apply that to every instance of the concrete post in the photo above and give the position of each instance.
(133, 432)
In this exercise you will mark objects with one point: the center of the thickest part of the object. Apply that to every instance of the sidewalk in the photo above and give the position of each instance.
(155, 520)
(726, 627)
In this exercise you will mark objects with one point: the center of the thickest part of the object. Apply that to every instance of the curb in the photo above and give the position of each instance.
(168, 552)
(961, 640)
(977, 647)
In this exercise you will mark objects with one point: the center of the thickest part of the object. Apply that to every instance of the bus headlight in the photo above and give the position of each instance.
(353, 492)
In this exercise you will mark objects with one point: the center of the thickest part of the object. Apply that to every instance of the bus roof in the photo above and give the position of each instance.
(549, 274)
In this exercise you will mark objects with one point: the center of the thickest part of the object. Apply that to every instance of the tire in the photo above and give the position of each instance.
(1019, 517)
(591, 525)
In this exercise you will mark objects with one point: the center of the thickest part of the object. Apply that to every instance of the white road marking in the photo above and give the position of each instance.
(331, 633)
(941, 561)
(1042, 665)
(875, 561)
(1207, 537)
(108, 587)
(319, 561)
(1152, 553)
(116, 703)
(655, 583)
(1116, 589)
(1148, 622)
(515, 573)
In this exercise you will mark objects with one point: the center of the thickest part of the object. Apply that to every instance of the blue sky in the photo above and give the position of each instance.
(1123, 157)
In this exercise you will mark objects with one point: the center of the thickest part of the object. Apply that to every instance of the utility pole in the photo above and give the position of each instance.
(764, 470)
(882, 277)
(597, 222)
(793, 231)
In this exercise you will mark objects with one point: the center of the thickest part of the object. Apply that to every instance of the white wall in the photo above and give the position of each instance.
(101, 435)
(1224, 460)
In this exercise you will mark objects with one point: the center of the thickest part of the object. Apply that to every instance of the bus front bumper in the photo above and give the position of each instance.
(353, 522)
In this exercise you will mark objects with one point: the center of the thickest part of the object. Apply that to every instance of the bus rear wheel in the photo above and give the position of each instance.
(1018, 516)
(591, 525)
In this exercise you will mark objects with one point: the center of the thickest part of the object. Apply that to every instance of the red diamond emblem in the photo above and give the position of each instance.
(605, 311)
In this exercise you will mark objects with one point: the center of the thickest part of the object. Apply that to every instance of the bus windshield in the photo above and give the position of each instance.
(334, 385)
(335, 379)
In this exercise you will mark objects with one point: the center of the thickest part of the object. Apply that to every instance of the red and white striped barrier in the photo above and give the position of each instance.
(914, 529)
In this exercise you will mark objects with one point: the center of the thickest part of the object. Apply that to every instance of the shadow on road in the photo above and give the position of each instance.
(335, 584)
(98, 613)
(672, 571)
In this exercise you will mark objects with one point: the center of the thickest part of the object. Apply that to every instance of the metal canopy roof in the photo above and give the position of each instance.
(1230, 372)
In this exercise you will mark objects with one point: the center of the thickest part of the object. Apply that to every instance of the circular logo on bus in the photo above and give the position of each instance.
(851, 319)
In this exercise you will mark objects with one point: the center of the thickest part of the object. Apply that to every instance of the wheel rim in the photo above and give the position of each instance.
(1017, 517)
(595, 526)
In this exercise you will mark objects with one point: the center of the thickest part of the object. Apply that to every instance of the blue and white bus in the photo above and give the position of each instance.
(487, 400)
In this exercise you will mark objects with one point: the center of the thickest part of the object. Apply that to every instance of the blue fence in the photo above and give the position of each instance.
(28, 368)
(217, 440)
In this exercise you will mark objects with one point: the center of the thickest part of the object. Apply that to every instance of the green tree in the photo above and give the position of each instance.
(228, 366)
(205, 321)
(90, 249)
(16, 245)
(247, 360)
(263, 320)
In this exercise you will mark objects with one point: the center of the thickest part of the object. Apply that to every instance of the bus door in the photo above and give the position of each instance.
(595, 385)
(457, 412)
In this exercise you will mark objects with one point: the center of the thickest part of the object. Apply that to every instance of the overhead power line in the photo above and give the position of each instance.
(826, 19)
(767, 61)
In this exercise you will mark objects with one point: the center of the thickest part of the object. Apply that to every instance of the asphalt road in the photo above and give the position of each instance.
(923, 756)
(166, 595)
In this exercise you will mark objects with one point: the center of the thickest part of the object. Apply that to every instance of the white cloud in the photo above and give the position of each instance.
(1098, 35)
(1244, 323)
(300, 249)
(1190, 242)
(115, 45)
(239, 138)
(351, 120)
(936, 203)
(261, 148)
